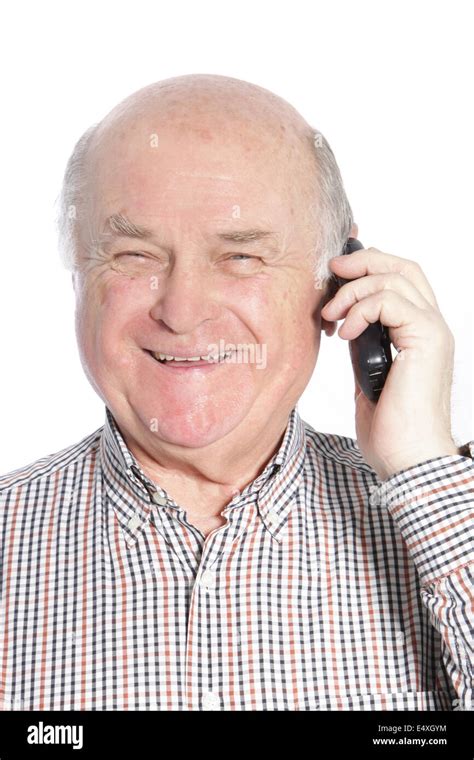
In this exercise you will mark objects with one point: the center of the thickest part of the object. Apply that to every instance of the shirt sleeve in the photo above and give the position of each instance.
(433, 506)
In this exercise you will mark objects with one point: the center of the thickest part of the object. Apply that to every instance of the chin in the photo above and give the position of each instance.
(194, 429)
(190, 407)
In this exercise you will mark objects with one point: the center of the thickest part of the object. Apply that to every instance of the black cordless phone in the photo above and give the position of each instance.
(370, 353)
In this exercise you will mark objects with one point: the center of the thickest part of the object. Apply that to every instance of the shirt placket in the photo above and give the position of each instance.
(206, 645)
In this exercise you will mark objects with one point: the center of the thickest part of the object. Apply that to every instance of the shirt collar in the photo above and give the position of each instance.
(277, 488)
(133, 493)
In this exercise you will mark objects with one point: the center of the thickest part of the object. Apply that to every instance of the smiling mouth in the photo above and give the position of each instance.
(189, 361)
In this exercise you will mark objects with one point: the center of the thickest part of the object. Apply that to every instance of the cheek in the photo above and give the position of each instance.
(296, 324)
(294, 309)
(107, 311)
(283, 319)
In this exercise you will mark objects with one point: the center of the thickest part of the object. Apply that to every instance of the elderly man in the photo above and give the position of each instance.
(206, 549)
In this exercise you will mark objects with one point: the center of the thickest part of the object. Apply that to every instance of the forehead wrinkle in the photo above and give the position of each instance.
(205, 175)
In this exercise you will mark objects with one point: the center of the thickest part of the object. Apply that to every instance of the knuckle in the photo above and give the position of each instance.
(352, 294)
(347, 294)
(441, 333)
(450, 337)
(412, 267)
(389, 294)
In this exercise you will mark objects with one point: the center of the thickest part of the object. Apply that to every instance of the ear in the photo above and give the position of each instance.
(329, 292)
(328, 327)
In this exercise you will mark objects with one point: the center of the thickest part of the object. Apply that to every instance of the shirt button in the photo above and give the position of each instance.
(210, 701)
(208, 579)
(134, 522)
(399, 637)
(159, 499)
(273, 517)
(68, 494)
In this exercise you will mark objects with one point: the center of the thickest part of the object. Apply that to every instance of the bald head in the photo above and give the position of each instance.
(212, 105)
(214, 116)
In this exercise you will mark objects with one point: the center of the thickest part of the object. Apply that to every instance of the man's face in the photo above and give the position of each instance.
(187, 291)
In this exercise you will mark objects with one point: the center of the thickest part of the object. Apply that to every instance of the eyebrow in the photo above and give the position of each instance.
(245, 236)
(120, 225)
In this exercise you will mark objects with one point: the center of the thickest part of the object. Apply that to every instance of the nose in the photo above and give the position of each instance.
(185, 299)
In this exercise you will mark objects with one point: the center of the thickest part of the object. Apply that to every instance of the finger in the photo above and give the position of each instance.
(356, 290)
(393, 311)
(373, 261)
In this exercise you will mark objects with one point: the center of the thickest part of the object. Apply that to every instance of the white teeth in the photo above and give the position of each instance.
(208, 357)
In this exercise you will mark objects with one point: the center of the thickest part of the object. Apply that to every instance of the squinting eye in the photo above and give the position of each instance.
(242, 264)
(245, 258)
(136, 263)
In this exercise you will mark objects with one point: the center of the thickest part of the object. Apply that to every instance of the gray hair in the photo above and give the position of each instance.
(329, 213)
(68, 202)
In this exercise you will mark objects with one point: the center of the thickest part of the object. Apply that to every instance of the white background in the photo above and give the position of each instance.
(389, 84)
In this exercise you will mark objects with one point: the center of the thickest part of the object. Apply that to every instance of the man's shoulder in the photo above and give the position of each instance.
(50, 464)
(340, 450)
